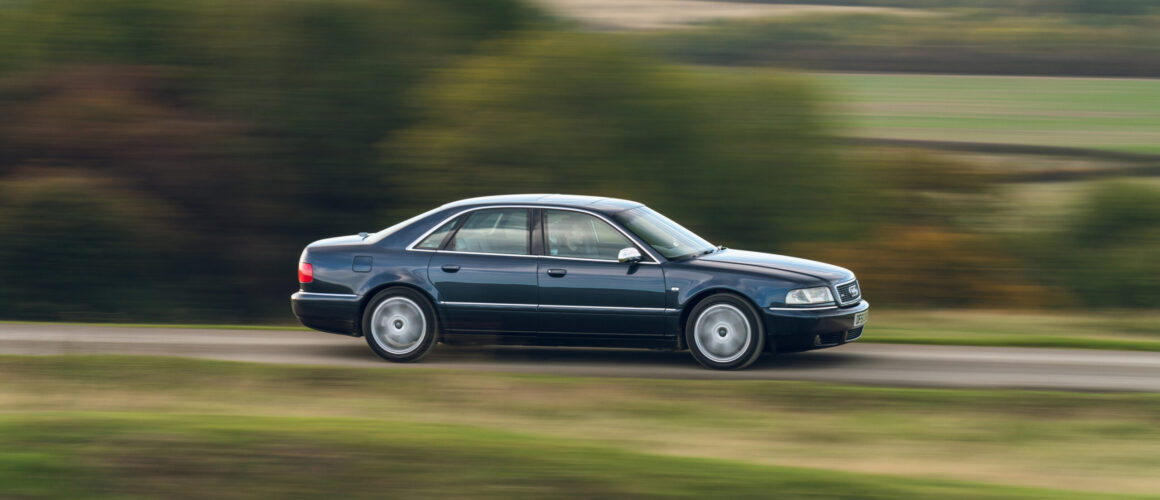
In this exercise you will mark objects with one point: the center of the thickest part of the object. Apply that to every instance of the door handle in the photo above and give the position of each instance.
(556, 273)
(450, 268)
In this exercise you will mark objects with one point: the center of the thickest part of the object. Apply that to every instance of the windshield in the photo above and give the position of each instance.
(663, 235)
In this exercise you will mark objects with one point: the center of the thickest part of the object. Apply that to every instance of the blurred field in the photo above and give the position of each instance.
(1068, 38)
(149, 427)
(1114, 114)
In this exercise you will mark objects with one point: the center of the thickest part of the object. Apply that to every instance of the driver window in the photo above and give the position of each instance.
(580, 235)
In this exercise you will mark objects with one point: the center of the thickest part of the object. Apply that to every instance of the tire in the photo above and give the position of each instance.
(724, 332)
(399, 325)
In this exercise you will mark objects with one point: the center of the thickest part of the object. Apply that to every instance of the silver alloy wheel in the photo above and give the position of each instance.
(722, 333)
(398, 325)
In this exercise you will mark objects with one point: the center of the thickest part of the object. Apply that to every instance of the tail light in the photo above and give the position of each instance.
(305, 272)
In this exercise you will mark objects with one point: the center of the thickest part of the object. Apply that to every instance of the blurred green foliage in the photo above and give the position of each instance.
(576, 113)
(919, 242)
(254, 124)
(66, 227)
(168, 160)
(1107, 253)
(937, 266)
(264, 126)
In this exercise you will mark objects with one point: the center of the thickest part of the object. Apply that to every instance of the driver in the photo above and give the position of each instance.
(573, 238)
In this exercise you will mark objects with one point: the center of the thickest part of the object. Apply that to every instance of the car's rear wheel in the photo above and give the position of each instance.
(723, 332)
(399, 324)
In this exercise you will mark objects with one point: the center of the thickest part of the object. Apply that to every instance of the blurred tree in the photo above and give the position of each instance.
(321, 82)
(327, 80)
(254, 123)
(923, 266)
(130, 126)
(916, 187)
(1116, 213)
(77, 246)
(1108, 254)
(739, 157)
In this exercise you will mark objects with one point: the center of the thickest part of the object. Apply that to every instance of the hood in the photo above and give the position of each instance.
(819, 270)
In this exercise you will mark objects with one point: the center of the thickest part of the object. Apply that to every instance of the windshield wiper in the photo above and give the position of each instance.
(715, 249)
(694, 255)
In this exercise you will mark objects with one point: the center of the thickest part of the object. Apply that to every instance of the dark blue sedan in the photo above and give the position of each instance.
(570, 270)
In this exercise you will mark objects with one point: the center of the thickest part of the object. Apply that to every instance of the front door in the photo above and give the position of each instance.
(486, 274)
(584, 290)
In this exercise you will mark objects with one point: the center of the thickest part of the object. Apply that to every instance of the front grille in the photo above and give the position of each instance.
(849, 293)
(854, 334)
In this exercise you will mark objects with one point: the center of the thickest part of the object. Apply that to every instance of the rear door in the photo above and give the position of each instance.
(486, 273)
(585, 291)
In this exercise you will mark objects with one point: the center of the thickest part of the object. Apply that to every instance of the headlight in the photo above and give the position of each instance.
(806, 296)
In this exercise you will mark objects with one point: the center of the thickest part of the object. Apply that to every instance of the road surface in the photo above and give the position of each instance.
(859, 363)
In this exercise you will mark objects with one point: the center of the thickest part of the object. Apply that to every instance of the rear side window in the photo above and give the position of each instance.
(435, 240)
(496, 230)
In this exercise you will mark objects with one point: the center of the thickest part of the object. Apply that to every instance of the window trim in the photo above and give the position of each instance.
(537, 211)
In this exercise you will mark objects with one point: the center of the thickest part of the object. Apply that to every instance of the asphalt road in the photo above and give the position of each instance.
(860, 363)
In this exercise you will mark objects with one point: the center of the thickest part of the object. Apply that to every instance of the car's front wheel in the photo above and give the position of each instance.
(399, 324)
(724, 332)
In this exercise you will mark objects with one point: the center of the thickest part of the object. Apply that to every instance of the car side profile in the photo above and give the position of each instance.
(569, 270)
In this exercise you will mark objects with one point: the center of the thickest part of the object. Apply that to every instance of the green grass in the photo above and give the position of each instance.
(114, 456)
(1113, 114)
(140, 427)
(1127, 330)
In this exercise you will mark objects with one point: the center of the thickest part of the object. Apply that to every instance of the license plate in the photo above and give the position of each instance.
(860, 318)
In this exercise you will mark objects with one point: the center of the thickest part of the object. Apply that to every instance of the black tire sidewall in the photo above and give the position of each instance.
(756, 345)
(429, 337)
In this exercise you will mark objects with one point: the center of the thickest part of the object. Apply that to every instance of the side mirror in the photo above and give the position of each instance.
(629, 254)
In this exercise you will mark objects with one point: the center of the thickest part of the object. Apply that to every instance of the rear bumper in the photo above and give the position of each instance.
(792, 330)
(328, 312)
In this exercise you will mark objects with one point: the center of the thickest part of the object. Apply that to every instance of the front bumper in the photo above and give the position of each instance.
(328, 312)
(799, 330)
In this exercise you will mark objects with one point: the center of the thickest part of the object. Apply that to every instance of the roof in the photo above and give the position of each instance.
(596, 203)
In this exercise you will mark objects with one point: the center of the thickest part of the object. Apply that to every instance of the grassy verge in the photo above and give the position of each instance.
(160, 427)
(1139, 331)
(191, 457)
